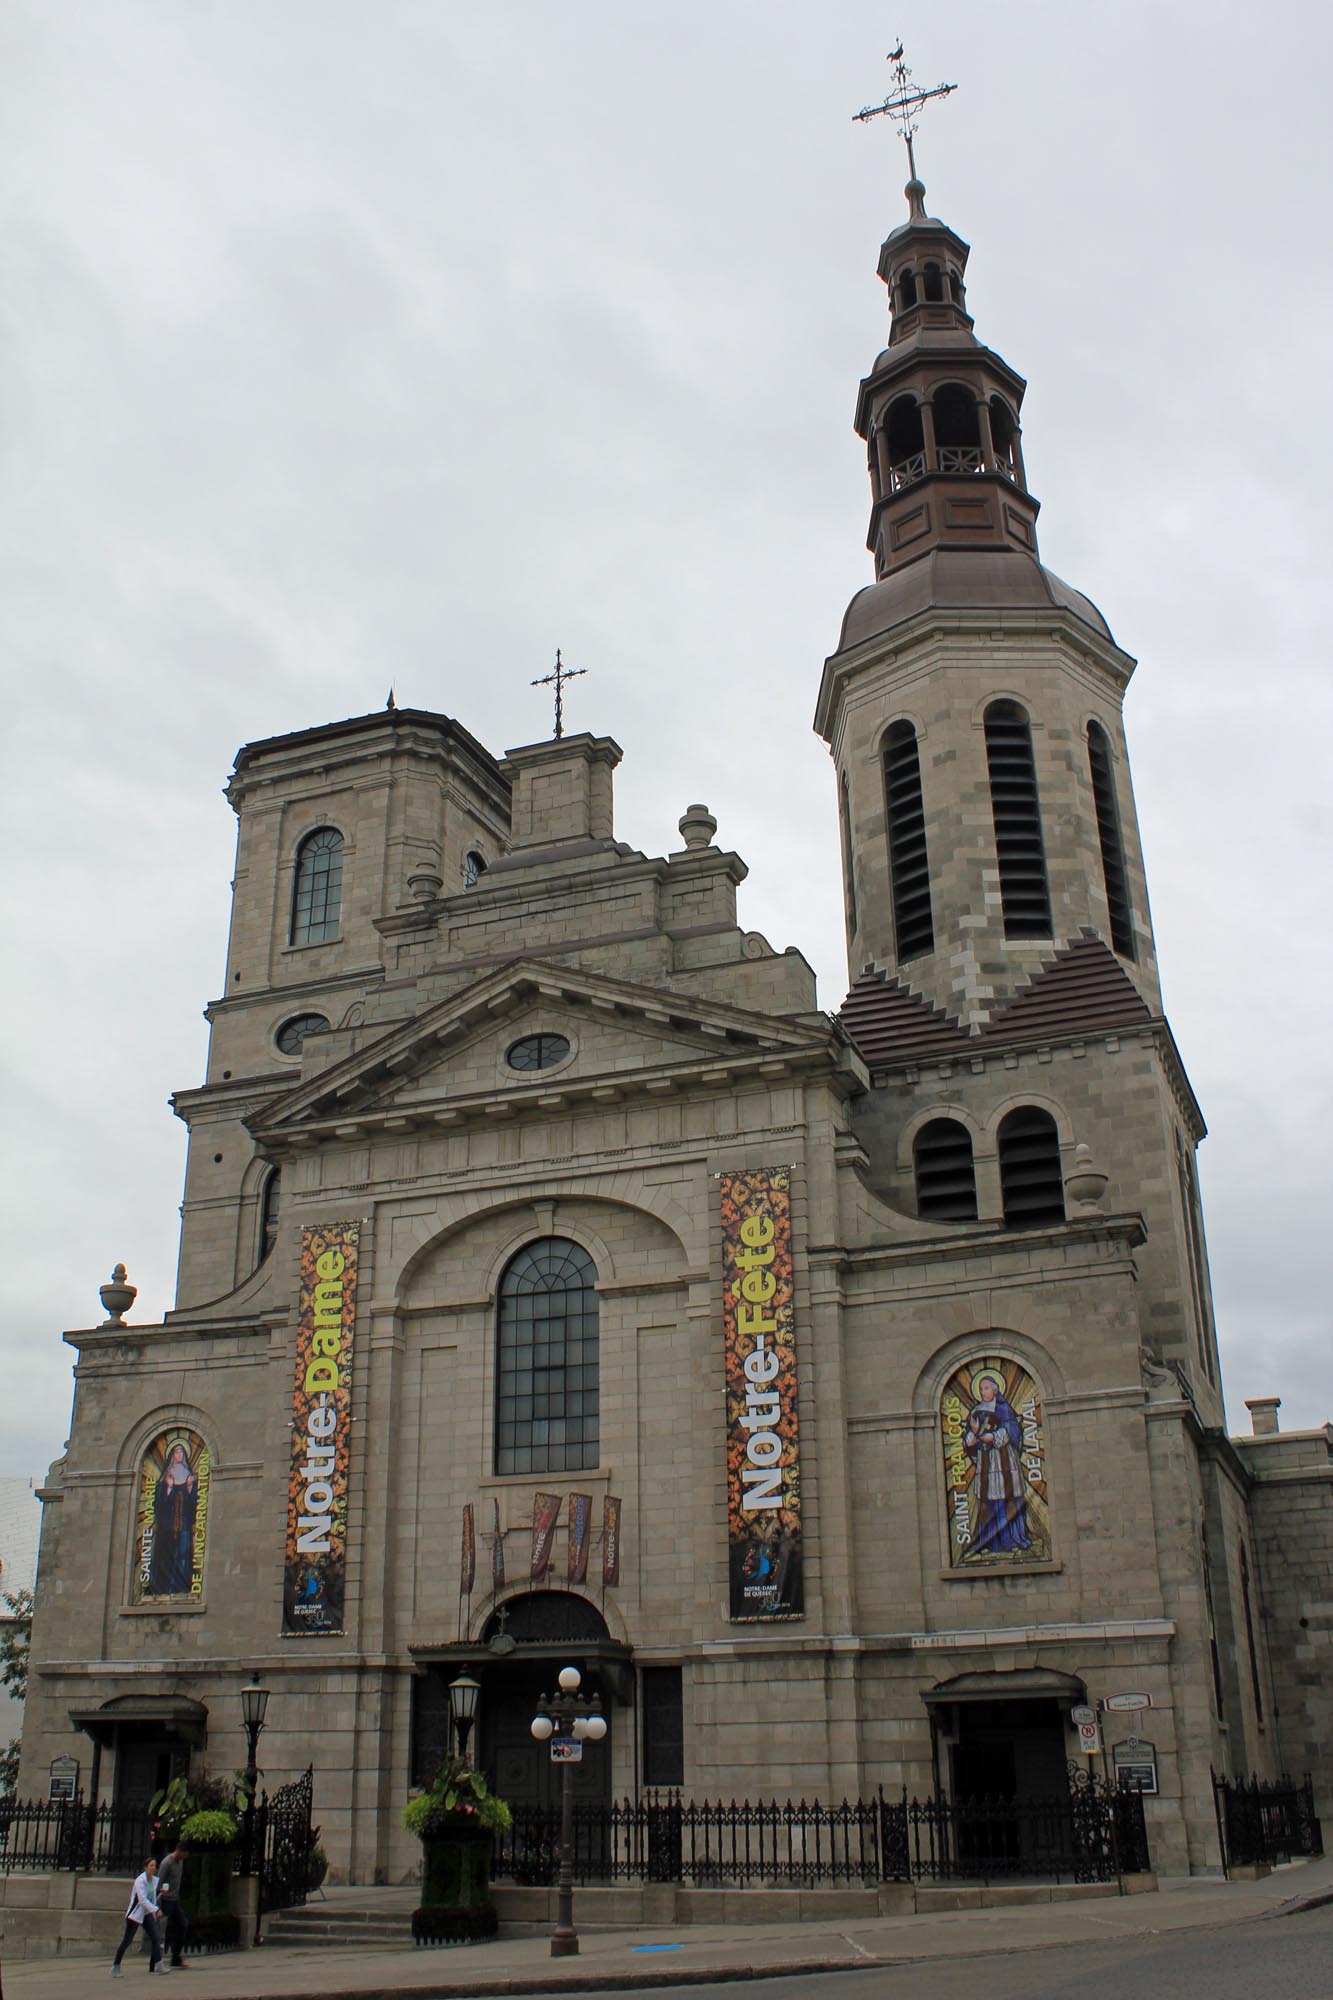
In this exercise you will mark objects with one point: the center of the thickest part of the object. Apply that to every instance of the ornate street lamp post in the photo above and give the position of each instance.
(463, 1697)
(567, 1721)
(254, 1707)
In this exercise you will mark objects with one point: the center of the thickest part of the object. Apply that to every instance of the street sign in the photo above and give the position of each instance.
(566, 1750)
(1118, 1702)
(1082, 1714)
(1089, 1738)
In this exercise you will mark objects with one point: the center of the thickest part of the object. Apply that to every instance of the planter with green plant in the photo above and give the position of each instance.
(209, 1838)
(456, 1820)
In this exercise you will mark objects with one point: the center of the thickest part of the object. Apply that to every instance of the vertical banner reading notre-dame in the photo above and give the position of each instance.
(316, 1566)
(763, 1446)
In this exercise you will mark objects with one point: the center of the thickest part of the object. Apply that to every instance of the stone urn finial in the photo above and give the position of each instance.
(424, 884)
(1087, 1182)
(117, 1297)
(697, 826)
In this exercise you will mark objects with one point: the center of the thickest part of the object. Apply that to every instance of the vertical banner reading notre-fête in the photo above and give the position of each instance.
(763, 1446)
(316, 1567)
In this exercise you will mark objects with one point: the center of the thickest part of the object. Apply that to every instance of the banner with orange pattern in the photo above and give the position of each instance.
(763, 1439)
(315, 1579)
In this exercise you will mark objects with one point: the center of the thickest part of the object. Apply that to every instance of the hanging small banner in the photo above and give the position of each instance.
(763, 1444)
(315, 1571)
(545, 1514)
(610, 1543)
(468, 1566)
(579, 1519)
(497, 1554)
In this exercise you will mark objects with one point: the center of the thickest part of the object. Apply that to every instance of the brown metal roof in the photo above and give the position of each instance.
(887, 1022)
(1081, 991)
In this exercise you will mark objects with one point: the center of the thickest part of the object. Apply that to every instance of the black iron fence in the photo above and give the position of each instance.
(283, 1842)
(39, 1835)
(1092, 1833)
(1264, 1821)
(43, 1834)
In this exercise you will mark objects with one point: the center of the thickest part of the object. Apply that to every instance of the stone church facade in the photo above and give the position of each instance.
(507, 1072)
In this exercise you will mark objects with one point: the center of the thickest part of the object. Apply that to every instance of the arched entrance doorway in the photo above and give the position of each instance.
(521, 1650)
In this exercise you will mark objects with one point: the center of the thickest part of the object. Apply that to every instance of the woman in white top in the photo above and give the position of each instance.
(142, 1911)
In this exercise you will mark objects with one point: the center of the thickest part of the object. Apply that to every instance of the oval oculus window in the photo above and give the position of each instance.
(292, 1033)
(537, 1052)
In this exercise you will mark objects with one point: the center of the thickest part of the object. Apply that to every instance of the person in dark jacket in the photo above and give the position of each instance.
(175, 1922)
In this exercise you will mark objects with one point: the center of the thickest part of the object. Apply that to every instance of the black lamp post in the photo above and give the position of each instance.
(254, 1707)
(568, 1719)
(464, 1694)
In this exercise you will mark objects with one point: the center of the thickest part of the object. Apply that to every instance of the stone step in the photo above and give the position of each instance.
(328, 1926)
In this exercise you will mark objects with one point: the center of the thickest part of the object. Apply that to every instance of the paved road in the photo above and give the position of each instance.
(1279, 1958)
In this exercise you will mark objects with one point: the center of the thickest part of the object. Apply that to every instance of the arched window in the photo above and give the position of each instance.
(474, 867)
(848, 856)
(268, 1213)
(317, 896)
(946, 1181)
(546, 1377)
(993, 1439)
(1108, 833)
(906, 291)
(934, 285)
(957, 429)
(1003, 430)
(1031, 1183)
(1025, 897)
(909, 867)
(907, 442)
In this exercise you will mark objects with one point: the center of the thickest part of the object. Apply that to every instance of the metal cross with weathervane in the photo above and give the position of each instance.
(902, 104)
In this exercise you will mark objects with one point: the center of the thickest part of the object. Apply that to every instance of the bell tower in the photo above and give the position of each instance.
(973, 704)
(1003, 973)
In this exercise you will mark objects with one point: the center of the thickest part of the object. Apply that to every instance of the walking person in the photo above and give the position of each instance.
(176, 1925)
(142, 1914)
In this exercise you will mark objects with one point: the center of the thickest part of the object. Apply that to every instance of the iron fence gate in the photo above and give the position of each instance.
(1261, 1822)
(284, 1838)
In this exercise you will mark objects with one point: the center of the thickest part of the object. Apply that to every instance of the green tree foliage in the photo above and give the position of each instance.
(15, 1641)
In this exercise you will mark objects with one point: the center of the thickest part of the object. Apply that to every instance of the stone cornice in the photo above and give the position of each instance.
(967, 641)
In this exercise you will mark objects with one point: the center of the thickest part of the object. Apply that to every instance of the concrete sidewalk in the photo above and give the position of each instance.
(610, 1960)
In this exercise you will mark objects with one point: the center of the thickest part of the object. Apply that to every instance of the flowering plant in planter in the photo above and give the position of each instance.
(456, 1801)
(455, 1818)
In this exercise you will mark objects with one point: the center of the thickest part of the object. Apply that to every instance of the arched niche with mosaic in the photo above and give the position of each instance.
(171, 1517)
(993, 1438)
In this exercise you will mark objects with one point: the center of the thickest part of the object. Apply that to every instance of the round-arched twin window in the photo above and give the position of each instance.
(537, 1052)
(292, 1033)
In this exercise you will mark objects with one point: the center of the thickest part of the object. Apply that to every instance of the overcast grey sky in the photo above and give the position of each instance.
(353, 345)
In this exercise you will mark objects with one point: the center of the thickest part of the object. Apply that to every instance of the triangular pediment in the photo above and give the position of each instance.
(451, 1062)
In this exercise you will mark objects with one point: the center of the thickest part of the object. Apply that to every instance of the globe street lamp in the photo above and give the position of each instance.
(567, 1721)
(254, 1707)
(463, 1697)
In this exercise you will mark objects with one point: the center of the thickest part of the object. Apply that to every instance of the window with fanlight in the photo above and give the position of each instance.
(547, 1362)
(317, 889)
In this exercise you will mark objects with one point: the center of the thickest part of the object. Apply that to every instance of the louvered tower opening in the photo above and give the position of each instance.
(1031, 1183)
(946, 1181)
(909, 869)
(1025, 895)
(1114, 873)
(848, 852)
